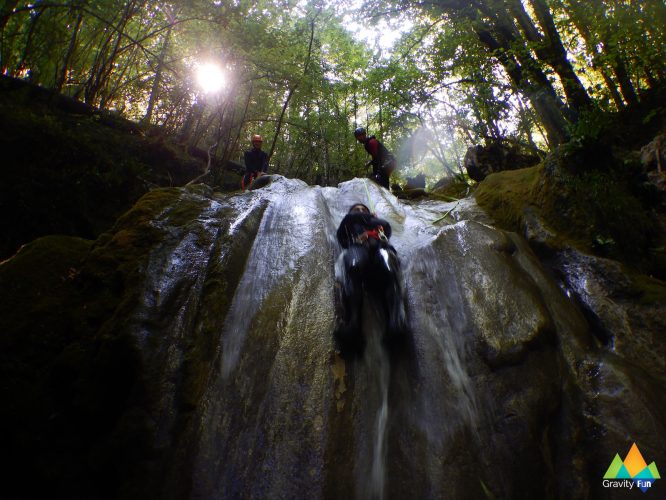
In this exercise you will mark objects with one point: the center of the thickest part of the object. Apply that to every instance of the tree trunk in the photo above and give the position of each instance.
(322, 132)
(533, 84)
(157, 82)
(585, 24)
(555, 55)
(6, 12)
(242, 121)
(582, 24)
(104, 64)
(622, 75)
(26, 48)
(62, 75)
(190, 123)
(548, 50)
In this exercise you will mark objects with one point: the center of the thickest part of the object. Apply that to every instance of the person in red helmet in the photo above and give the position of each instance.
(383, 162)
(256, 162)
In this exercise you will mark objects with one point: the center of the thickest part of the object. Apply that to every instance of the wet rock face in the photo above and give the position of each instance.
(416, 182)
(214, 316)
(618, 377)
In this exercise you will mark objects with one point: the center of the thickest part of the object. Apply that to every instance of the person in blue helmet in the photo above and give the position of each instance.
(370, 264)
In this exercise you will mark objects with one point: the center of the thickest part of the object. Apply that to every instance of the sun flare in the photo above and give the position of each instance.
(210, 77)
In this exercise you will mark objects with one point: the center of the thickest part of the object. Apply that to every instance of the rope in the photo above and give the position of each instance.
(446, 214)
(367, 193)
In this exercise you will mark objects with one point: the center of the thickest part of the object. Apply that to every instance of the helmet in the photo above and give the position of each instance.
(359, 131)
(256, 138)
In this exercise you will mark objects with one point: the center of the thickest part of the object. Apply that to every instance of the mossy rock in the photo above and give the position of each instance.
(79, 387)
(455, 190)
(504, 195)
(649, 289)
(411, 194)
(596, 209)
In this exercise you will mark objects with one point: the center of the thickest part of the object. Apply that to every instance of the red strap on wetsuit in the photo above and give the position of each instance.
(377, 233)
(253, 176)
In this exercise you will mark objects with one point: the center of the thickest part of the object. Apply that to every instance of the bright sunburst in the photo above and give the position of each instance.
(210, 77)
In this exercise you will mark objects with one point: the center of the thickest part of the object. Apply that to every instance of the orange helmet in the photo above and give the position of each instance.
(257, 138)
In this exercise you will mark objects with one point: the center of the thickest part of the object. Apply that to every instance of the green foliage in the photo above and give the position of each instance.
(472, 73)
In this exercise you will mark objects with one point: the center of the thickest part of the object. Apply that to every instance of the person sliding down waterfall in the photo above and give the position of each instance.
(370, 264)
(383, 162)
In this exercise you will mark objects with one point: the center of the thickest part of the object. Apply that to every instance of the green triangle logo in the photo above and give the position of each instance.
(614, 468)
(654, 471)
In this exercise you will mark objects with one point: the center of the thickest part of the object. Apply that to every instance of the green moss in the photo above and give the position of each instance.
(44, 345)
(67, 376)
(584, 195)
(36, 283)
(454, 191)
(505, 195)
(650, 290)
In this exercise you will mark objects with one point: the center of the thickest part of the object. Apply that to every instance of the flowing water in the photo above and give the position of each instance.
(297, 232)
(282, 415)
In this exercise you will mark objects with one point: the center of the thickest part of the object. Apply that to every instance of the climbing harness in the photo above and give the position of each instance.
(381, 236)
(253, 176)
(377, 234)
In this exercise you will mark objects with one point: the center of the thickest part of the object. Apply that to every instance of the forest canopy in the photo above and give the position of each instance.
(305, 73)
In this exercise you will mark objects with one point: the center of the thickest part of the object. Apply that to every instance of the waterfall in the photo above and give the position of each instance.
(242, 295)
(377, 367)
(205, 349)
(273, 361)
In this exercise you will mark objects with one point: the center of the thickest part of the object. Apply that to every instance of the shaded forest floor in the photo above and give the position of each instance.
(69, 169)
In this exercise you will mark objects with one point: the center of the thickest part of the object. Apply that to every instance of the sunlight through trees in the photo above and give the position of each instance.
(458, 73)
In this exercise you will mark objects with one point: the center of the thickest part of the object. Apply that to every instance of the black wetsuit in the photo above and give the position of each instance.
(383, 162)
(370, 265)
(256, 161)
(356, 223)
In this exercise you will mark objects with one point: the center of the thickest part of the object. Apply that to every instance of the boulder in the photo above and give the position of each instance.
(480, 161)
(416, 182)
(653, 155)
(452, 187)
(653, 159)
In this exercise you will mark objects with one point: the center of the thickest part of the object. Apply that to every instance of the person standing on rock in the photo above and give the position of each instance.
(383, 162)
(256, 162)
(370, 264)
